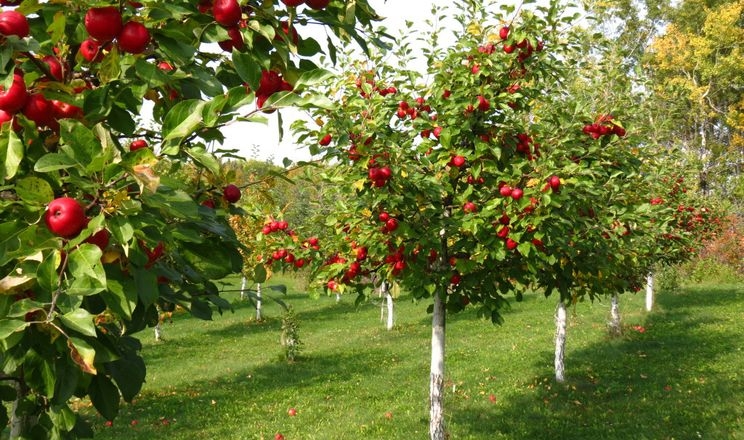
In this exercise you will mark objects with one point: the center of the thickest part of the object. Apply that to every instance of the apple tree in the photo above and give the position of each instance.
(481, 178)
(99, 222)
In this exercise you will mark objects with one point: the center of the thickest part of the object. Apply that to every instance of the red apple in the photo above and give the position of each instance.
(455, 278)
(15, 97)
(505, 191)
(209, 203)
(293, 3)
(554, 182)
(504, 32)
(511, 244)
(325, 140)
(292, 412)
(517, 193)
(226, 12)
(55, 67)
(437, 131)
(391, 224)
(103, 24)
(137, 144)
(13, 22)
(165, 66)
(483, 104)
(383, 217)
(39, 110)
(469, 207)
(457, 161)
(235, 41)
(65, 217)
(64, 110)
(91, 50)
(317, 4)
(231, 193)
(332, 285)
(134, 37)
(100, 239)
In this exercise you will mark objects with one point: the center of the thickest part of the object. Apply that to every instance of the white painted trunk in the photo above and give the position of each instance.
(390, 305)
(258, 301)
(338, 297)
(649, 291)
(615, 327)
(560, 341)
(436, 383)
(242, 288)
(158, 331)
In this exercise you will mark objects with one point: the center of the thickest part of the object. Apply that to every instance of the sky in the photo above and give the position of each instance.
(261, 142)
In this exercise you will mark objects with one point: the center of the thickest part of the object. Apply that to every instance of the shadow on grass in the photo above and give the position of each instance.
(676, 380)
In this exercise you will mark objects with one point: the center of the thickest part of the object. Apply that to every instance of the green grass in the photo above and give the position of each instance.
(682, 378)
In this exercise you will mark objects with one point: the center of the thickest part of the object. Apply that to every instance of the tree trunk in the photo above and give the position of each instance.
(158, 330)
(338, 297)
(615, 327)
(649, 291)
(258, 301)
(242, 288)
(19, 423)
(436, 384)
(389, 301)
(560, 341)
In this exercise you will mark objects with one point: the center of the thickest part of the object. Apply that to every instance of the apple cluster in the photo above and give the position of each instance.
(104, 25)
(270, 83)
(605, 125)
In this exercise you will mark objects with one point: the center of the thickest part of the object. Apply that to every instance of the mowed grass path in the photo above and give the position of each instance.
(677, 373)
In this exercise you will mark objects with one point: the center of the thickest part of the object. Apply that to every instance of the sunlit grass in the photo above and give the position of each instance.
(676, 373)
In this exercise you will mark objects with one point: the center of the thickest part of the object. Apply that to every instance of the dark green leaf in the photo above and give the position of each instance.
(105, 396)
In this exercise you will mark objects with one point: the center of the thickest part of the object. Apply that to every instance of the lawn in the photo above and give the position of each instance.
(677, 373)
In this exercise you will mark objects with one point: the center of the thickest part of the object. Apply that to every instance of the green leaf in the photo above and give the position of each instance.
(213, 262)
(11, 152)
(175, 203)
(200, 309)
(105, 396)
(38, 372)
(259, 273)
(62, 417)
(313, 78)
(34, 190)
(46, 273)
(81, 321)
(53, 162)
(247, 67)
(10, 326)
(88, 275)
(205, 158)
(129, 374)
(181, 122)
(147, 286)
(121, 297)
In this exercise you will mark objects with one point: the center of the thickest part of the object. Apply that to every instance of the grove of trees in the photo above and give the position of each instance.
(532, 155)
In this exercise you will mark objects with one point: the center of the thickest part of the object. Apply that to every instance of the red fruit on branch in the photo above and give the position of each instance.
(325, 140)
(137, 144)
(91, 50)
(226, 12)
(505, 190)
(103, 24)
(554, 182)
(391, 224)
(483, 104)
(134, 37)
(13, 99)
(469, 207)
(55, 67)
(511, 244)
(231, 193)
(13, 22)
(39, 110)
(65, 217)
(504, 32)
(457, 161)
(293, 3)
(517, 193)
